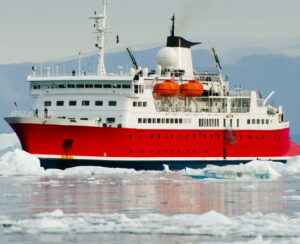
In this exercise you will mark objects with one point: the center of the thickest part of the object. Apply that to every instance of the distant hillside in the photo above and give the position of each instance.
(264, 72)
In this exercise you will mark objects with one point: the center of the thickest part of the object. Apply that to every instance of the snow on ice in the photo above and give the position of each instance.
(211, 224)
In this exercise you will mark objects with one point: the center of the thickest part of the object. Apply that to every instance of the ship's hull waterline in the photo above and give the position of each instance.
(63, 146)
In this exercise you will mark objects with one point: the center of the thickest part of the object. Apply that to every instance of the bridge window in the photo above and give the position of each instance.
(79, 86)
(85, 103)
(59, 103)
(71, 85)
(112, 103)
(126, 86)
(107, 86)
(47, 103)
(62, 86)
(98, 103)
(72, 103)
(98, 86)
(88, 85)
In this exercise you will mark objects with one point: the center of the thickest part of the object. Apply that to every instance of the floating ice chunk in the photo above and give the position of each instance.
(253, 170)
(8, 141)
(248, 227)
(166, 168)
(291, 198)
(292, 166)
(19, 162)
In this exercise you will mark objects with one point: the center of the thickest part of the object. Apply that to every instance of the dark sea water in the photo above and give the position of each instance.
(255, 203)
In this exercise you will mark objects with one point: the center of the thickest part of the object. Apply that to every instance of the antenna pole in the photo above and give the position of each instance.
(101, 28)
(173, 26)
(79, 63)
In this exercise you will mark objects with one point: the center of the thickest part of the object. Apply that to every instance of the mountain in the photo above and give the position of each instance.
(263, 72)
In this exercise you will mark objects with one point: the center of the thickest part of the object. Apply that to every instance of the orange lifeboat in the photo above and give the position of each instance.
(193, 88)
(168, 88)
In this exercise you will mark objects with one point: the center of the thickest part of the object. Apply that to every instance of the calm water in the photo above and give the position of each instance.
(145, 207)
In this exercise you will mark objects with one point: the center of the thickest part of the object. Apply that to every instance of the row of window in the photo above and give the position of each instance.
(139, 104)
(164, 121)
(53, 86)
(83, 103)
(257, 121)
(209, 122)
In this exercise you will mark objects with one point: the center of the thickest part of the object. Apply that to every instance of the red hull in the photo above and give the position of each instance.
(88, 141)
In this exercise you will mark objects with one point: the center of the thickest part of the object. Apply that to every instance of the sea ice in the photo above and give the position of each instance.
(256, 226)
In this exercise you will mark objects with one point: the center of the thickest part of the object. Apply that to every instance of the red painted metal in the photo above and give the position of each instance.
(124, 142)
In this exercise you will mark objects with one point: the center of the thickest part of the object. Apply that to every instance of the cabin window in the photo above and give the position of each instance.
(163, 121)
(267, 121)
(112, 103)
(253, 121)
(149, 121)
(158, 121)
(85, 103)
(98, 103)
(144, 104)
(176, 121)
(237, 123)
(180, 121)
(107, 86)
(139, 120)
(116, 86)
(83, 118)
(62, 86)
(134, 104)
(248, 121)
(263, 121)
(140, 104)
(230, 122)
(79, 86)
(36, 86)
(88, 86)
(71, 85)
(136, 89)
(144, 121)
(110, 120)
(72, 103)
(126, 86)
(154, 121)
(167, 121)
(98, 86)
(59, 103)
(172, 121)
(47, 103)
(224, 122)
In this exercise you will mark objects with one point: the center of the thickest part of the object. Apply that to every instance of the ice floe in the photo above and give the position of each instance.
(211, 224)
(8, 142)
(256, 169)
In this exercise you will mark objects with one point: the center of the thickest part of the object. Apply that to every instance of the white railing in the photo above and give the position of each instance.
(18, 113)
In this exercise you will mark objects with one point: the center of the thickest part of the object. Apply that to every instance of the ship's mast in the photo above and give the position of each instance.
(100, 25)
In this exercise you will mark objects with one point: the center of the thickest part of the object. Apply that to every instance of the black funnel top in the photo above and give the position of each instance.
(177, 41)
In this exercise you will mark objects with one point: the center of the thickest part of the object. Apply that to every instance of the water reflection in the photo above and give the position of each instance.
(159, 193)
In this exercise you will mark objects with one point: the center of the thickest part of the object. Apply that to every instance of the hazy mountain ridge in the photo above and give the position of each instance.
(264, 72)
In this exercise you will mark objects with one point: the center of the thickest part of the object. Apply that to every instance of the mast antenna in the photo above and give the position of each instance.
(101, 28)
(173, 25)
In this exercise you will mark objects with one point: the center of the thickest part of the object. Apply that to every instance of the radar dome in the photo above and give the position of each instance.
(166, 57)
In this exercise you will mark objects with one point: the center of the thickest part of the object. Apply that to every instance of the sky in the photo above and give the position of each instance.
(44, 30)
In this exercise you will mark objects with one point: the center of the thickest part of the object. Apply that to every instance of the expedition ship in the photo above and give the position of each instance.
(175, 115)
